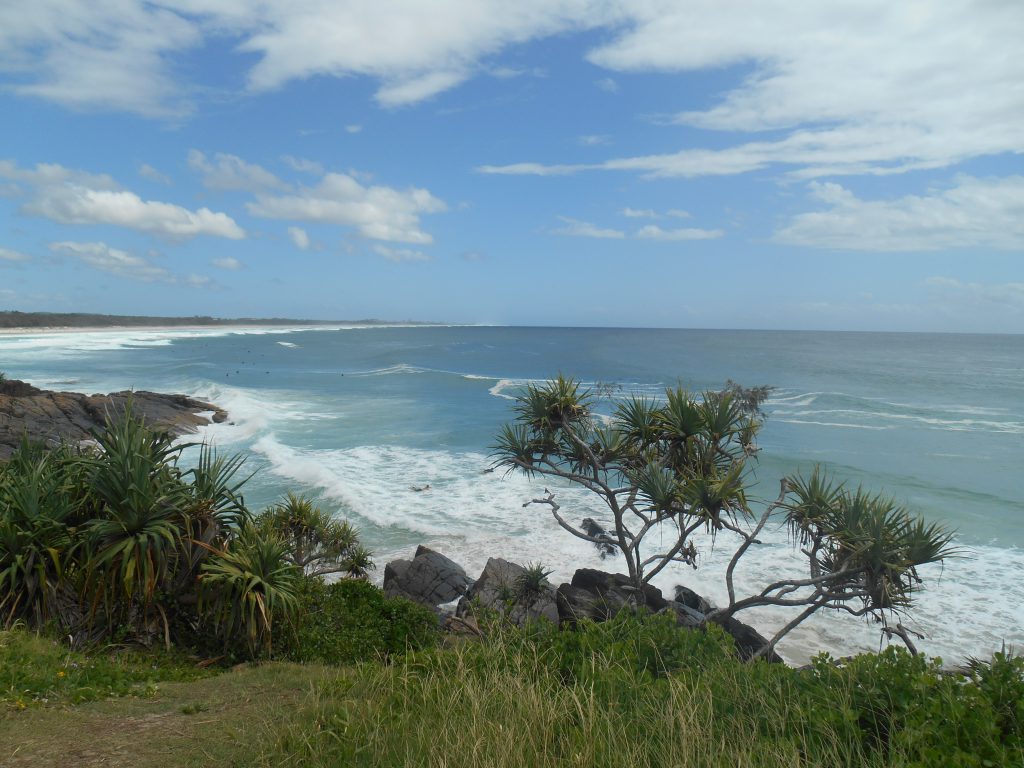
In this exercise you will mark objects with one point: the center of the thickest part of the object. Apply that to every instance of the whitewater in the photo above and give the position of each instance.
(359, 416)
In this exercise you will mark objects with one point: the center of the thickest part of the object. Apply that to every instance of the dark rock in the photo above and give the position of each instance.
(616, 589)
(605, 544)
(691, 599)
(576, 604)
(748, 640)
(685, 615)
(498, 590)
(429, 578)
(50, 417)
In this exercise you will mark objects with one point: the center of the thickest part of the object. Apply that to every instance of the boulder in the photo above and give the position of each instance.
(748, 640)
(429, 578)
(691, 599)
(616, 589)
(575, 604)
(498, 589)
(685, 615)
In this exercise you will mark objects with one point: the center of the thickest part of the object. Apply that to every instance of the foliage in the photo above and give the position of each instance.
(862, 545)
(352, 620)
(1002, 681)
(317, 543)
(666, 469)
(638, 691)
(245, 585)
(122, 543)
(36, 506)
(671, 468)
(532, 581)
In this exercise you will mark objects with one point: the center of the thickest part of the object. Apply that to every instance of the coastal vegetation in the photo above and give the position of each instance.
(669, 469)
(132, 582)
(14, 319)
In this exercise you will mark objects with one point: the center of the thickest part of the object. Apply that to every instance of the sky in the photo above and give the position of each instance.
(775, 164)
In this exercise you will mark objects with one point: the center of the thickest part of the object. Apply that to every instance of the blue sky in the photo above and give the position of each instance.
(722, 164)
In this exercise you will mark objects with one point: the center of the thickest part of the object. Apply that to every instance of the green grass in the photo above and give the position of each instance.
(36, 671)
(624, 693)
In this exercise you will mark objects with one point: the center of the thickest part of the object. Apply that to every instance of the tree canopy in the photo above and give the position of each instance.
(681, 464)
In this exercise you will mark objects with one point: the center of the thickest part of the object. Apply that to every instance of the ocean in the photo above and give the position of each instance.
(359, 416)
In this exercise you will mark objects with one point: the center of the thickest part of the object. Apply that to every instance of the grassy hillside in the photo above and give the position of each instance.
(628, 692)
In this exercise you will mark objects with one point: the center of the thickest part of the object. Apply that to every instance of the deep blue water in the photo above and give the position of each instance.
(357, 416)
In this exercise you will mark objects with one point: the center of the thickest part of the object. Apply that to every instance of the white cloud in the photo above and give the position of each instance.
(353, 128)
(106, 54)
(534, 169)
(412, 90)
(117, 262)
(230, 172)
(576, 228)
(986, 213)
(303, 165)
(594, 140)
(299, 237)
(654, 232)
(377, 212)
(871, 87)
(227, 262)
(78, 205)
(650, 213)
(607, 84)
(196, 281)
(75, 197)
(122, 54)
(6, 254)
(845, 87)
(400, 254)
(147, 171)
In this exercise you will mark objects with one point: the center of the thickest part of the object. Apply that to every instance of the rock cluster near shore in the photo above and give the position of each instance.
(49, 417)
(440, 583)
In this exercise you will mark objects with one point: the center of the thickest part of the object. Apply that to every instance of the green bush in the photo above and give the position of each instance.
(908, 709)
(351, 620)
(120, 543)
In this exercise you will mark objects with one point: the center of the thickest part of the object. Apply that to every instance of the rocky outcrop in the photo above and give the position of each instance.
(500, 588)
(49, 417)
(432, 579)
(691, 599)
(598, 595)
(429, 578)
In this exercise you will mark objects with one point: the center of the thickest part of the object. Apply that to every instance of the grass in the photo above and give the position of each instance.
(505, 707)
(623, 693)
(36, 671)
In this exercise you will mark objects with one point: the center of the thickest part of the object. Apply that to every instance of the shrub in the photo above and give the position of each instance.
(351, 620)
(245, 586)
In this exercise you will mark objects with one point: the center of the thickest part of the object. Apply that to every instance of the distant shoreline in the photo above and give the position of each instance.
(20, 322)
(39, 330)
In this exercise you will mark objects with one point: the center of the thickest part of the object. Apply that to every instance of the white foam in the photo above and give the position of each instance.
(968, 608)
(831, 424)
(287, 344)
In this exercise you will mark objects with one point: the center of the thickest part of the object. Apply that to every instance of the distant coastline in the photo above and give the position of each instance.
(13, 322)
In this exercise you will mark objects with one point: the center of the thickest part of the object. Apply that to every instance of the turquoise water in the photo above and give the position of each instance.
(359, 415)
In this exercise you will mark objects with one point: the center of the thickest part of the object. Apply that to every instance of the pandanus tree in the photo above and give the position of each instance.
(670, 468)
(123, 541)
(316, 542)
